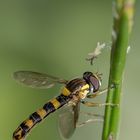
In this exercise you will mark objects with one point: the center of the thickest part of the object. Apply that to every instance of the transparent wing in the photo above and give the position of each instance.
(37, 80)
(68, 119)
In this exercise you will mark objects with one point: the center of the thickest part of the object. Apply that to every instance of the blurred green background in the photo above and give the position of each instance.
(55, 37)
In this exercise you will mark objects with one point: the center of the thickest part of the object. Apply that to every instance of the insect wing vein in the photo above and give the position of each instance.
(37, 80)
(67, 120)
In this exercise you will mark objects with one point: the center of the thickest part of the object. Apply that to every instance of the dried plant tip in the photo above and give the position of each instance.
(95, 53)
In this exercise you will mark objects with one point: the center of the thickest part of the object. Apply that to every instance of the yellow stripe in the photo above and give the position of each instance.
(42, 113)
(65, 91)
(56, 103)
(85, 87)
(29, 123)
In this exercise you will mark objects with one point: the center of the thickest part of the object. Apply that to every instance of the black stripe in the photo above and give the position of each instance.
(71, 85)
(35, 117)
(16, 137)
(62, 99)
(24, 127)
(23, 133)
(49, 107)
(74, 84)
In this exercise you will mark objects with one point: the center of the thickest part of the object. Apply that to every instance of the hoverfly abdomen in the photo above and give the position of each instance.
(24, 128)
(28, 124)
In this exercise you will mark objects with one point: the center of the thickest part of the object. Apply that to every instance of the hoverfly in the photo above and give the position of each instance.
(72, 94)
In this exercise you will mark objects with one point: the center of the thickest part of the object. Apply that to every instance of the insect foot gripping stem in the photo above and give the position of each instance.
(109, 104)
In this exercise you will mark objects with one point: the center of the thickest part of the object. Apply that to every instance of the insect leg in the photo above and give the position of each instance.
(97, 93)
(92, 104)
(91, 114)
(89, 121)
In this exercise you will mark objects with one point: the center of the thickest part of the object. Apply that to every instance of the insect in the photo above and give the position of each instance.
(72, 94)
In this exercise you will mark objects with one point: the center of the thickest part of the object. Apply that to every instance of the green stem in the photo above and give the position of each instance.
(123, 16)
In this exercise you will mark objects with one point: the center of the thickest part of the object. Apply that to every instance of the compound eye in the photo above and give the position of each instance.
(95, 82)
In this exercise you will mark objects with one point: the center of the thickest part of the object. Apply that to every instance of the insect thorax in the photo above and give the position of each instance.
(75, 84)
(77, 87)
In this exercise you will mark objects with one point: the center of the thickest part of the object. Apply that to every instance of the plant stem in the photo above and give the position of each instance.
(123, 15)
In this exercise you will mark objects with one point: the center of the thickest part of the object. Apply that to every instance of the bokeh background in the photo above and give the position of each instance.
(55, 37)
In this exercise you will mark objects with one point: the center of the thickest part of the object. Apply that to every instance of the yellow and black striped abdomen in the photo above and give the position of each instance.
(25, 127)
(66, 95)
